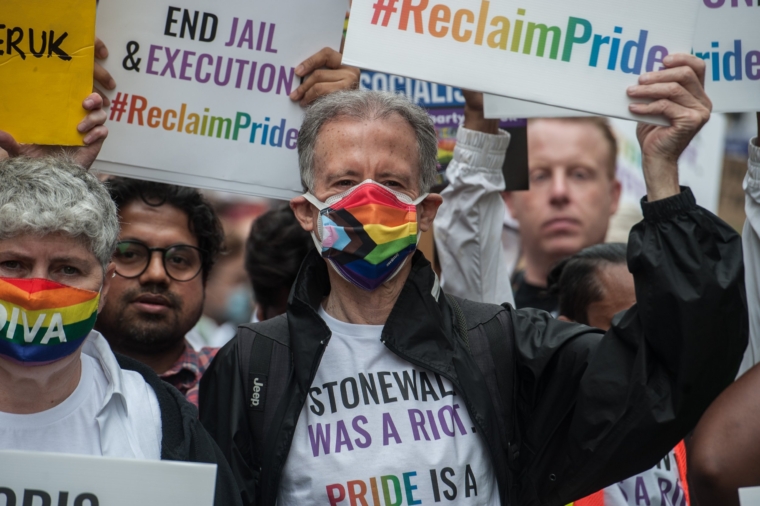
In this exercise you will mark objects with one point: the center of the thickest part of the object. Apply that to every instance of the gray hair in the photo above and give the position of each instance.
(47, 195)
(368, 105)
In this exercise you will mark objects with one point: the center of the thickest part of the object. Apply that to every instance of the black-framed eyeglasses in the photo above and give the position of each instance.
(182, 262)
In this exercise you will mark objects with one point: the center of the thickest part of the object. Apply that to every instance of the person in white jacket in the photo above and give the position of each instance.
(573, 194)
(751, 242)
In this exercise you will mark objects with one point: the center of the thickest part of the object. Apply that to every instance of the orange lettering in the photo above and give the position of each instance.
(439, 14)
(154, 117)
(169, 113)
(456, 31)
(407, 8)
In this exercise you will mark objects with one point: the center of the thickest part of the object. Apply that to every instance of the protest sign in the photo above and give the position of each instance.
(728, 39)
(55, 478)
(699, 167)
(749, 496)
(46, 60)
(445, 105)
(498, 107)
(202, 96)
(578, 55)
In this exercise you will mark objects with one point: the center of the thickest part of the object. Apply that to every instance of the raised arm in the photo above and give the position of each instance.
(469, 224)
(599, 408)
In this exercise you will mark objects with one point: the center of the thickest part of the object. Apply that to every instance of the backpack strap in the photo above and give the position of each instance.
(256, 364)
(258, 379)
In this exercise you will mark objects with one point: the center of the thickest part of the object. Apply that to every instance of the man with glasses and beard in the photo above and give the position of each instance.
(170, 236)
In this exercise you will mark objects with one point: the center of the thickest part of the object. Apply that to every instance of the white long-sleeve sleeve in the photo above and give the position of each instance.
(751, 243)
(469, 224)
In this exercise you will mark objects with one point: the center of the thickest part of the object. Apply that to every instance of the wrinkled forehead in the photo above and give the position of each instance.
(370, 146)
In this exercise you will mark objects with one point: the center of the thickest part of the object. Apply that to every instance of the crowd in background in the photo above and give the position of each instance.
(616, 350)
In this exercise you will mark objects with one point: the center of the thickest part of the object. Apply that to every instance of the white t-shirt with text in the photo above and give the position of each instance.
(378, 431)
(659, 486)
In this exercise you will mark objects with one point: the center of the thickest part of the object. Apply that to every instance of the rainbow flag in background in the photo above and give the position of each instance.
(41, 320)
(353, 238)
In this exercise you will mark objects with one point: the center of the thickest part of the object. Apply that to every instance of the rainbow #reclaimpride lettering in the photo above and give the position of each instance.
(515, 35)
(41, 320)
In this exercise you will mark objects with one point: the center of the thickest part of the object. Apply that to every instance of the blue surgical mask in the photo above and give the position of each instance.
(239, 306)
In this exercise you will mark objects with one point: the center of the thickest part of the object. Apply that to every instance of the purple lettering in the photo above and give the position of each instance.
(291, 140)
(321, 438)
(170, 62)
(241, 70)
(232, 34)
(262, 73)
(389, 430)
(752, 65)
(186, 65)
(152, 58)
(218, 68)
(210, 60)
(656, 55)
(269, 48)
(341, 437)
(418, 424)
(367, 438)
(246, 35)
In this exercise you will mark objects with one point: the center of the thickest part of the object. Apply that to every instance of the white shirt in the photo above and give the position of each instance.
(476, 252)
(376, 429)
(111, 412)
(751, 243)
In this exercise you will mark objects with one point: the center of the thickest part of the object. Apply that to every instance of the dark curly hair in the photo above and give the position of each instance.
(274, 252)
(202, 220)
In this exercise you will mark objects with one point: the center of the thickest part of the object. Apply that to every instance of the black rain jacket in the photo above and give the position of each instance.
(183, 438)
(592, 408)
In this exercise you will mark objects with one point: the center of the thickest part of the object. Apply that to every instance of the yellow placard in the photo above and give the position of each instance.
(46, 62)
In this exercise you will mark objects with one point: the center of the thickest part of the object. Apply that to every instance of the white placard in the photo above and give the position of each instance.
(700, 166)
(495, 107)
(749, 496)
(728, 39)
(94, 481)
(580, 55)
(209, 106)
(733, 84)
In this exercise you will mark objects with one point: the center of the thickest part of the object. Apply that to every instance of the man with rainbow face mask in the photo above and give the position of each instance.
(377, 388)
(62, 389)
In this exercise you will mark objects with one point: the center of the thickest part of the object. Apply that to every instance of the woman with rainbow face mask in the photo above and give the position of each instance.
(62, 389)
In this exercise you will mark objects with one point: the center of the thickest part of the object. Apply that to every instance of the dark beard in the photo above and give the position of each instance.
(150, 334)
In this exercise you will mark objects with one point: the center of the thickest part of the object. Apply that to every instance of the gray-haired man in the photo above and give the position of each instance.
(62, 389)
(376, 388)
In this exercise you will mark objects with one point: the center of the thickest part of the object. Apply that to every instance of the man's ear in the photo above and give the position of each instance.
(109, 275)
(426, 211)
(615, 192)
(304, 211)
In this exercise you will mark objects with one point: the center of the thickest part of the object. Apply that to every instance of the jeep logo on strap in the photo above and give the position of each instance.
(258, 391)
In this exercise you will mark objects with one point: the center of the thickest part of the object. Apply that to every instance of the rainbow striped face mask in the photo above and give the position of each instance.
(368, 232)
(43, 321)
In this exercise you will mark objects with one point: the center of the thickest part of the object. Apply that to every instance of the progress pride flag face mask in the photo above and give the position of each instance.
(42, 321)
(368, 232)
